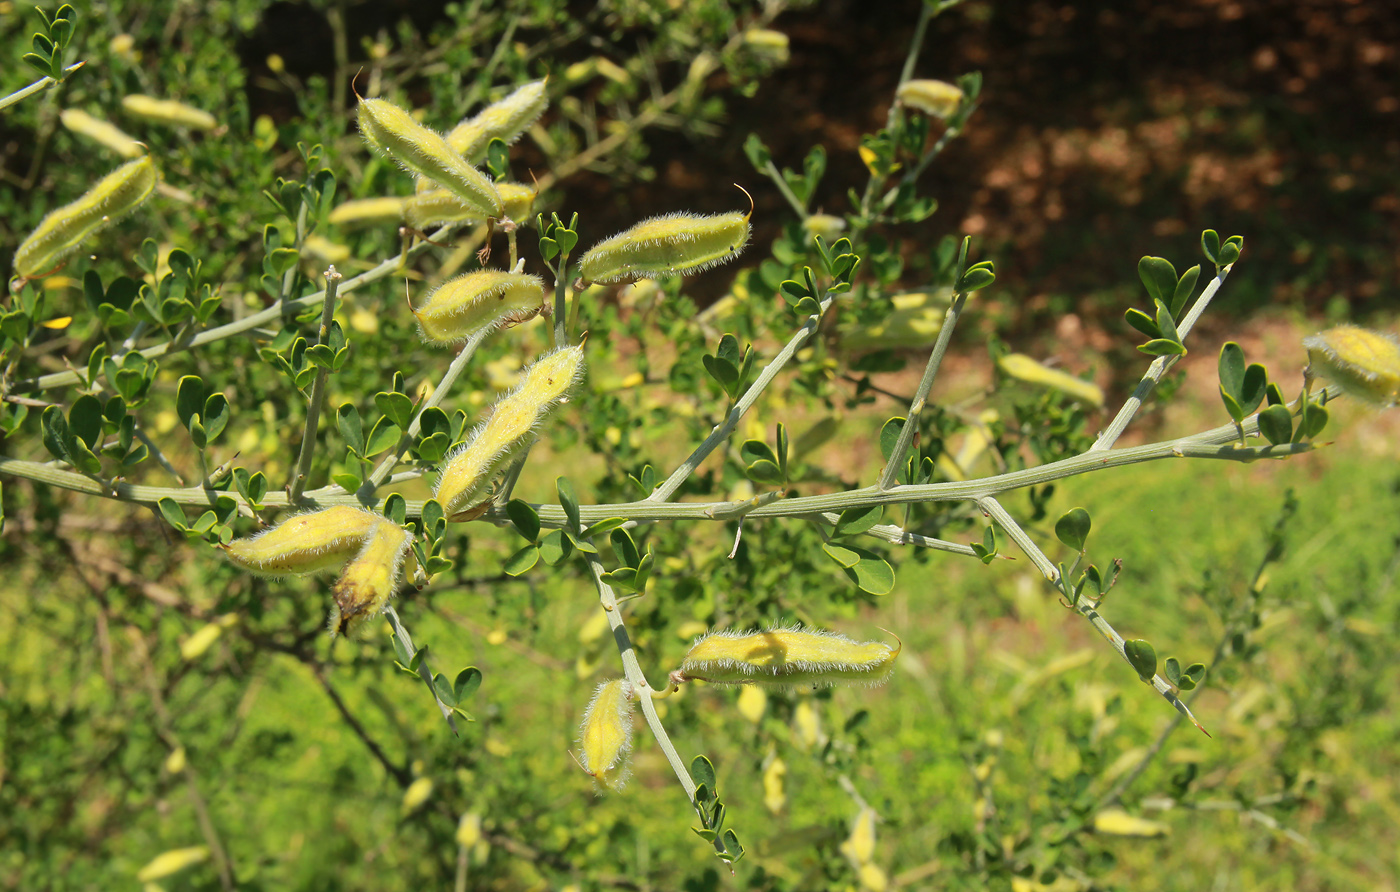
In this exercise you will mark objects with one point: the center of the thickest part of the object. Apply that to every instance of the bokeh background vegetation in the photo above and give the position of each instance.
(1101, 136)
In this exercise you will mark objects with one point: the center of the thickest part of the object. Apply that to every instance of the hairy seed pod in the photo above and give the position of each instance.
(605, 734)
(393, 133)
(825, 225)
(767, 44)
(437, 206)
(786, 657)
(368, 210)
(168, 111)
(1364, 363)
(63, 230)
(937, 99)
(101, 132)
(514, 423)
(477, 301)
(303, 544)
(367, 582)
(669, 245)
(504, 120)
(1023, 368)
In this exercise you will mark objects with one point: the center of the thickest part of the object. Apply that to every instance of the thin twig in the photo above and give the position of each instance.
(318, 394)
(40, 85)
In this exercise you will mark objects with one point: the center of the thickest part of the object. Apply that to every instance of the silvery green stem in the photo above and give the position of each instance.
(916, 408)
(256, 320)
(1159, 367)
(632, 669)
(444, 387)
(751, 395)
(1023, 541)
(40, 85)
(318, 393)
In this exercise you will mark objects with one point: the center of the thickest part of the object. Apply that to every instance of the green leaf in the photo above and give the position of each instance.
(54, 428)
(1073, 528)
(703, 772)
(173, 513)
(347, 481)
(251, 486)
(569, 501)
(1210, 245)
(1192, 676)
(1252, 389)
(1171, 670)
(396, 508)
(625, 548)
(1232, 369)
(85, 420)
(1159, 276)
(765, 472)
(1184, 288)
(432, 449)
(647, 481)
(443, 689)
(1230, 250)
(1310, 423)
(524, 518)
(433, 517)
(757, 450)
(782, 450)
(889, 436)
(466, 683)
(732, 850)
(757, 153)
(1142, 322)
(522, 561)
(857, 520)
(555, 548)
(434, 421)
(396, 406)
(189, 398)
(870, 572)
(606, 525)
(1143, 657)
(1163, 347)
(976, 278)
(384, 435)
(216, 415)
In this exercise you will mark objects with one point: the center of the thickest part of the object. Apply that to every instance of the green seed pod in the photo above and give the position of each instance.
(303, 544)
(514, 423)
(504, 120)
(437, 206)
(482, 300)
(937, 99)
(367, 582)
(786, 658)
(1364, 363)
(368, 210)
(168, 111)
(605, 734)
(63, 230)
(101, 132)
(392, 132)
(1023, 368)
(669, 245)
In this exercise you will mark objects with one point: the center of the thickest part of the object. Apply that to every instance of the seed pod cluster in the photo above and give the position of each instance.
(392, 132)
(605, 734)
(669, 245)
(479, 301)
(1364, 363)
(168, 111)
(937, 99)
(513, 424)
(437, 206)
(369, 548)
(504, 120)
(786, 657)
(63, 230)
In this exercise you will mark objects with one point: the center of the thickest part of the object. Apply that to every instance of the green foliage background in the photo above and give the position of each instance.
(986, 757)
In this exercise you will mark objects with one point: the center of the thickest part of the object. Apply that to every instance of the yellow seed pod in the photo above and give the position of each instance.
(669, 245)
(605, 734)
(417, 793)
(469, 830)
(860, 845)
(479, 301)
(1023, 368)
(63, 230)
(367, 582)
(786, 657)
(1117, 822)
(767, 43)
(172, 862)
(1364, 363)
(304, 544)
(168, 111)
(514, 423)
(774, 794)
(504, 120)
(753, 702)
(101, 132)
(366, 211)
(937, 99)
(827, 226)
(392, 132)
(437, 206)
